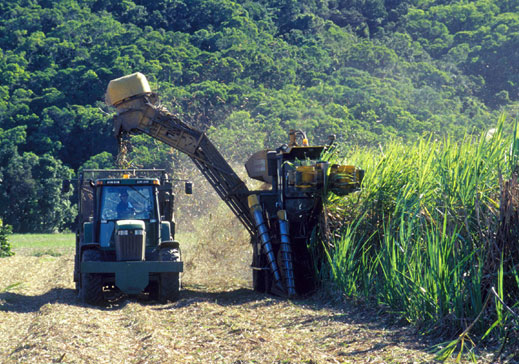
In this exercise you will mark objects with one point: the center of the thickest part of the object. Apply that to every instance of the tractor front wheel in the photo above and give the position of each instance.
(169, 283)
(91, 286)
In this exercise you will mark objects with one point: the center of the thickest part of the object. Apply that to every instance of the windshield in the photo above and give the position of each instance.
(127, 202)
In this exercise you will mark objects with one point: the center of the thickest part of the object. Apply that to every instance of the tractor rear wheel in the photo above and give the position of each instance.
(169, 283)
(91, 289)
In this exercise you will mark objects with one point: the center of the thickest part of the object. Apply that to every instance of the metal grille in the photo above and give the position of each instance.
(130, 247)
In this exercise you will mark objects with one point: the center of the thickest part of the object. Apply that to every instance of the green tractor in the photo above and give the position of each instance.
(125, 237)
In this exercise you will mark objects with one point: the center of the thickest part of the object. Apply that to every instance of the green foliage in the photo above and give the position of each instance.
(150, 153)
(366, 70)
(474, 37)
(31, 196)
(5, 245)
(102, 160)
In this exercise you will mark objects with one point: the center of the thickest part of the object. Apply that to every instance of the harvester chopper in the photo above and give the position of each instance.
(280, 220)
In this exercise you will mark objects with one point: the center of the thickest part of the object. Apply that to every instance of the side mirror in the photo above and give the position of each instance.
(189, 188)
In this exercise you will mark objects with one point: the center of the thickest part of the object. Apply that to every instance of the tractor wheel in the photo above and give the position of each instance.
(169, 283)
(153, 286)
(91, 289)
(153, 290)
(77, 263)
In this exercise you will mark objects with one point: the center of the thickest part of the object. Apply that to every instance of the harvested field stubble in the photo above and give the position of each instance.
(41, 321)
(218, 319)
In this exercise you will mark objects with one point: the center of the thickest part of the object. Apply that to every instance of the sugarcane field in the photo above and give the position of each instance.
(259, 181)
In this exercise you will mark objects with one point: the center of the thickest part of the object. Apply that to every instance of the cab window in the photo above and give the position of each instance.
(127, 202)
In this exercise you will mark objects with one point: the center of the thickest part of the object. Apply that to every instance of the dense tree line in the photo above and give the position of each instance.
(366, 70)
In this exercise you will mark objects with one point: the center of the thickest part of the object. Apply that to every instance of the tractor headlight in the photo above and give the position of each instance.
(139, 232)
(122, 232)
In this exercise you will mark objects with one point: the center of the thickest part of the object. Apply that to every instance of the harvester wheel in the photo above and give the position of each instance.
(91, 290)
(268, 279)
(169, 283)
(261, 279)
(258, 279)
(304, 273)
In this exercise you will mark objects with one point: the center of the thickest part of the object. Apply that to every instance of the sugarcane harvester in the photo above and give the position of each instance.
(281, 219)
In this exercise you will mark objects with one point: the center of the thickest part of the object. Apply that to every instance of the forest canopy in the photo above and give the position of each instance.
(245, 71)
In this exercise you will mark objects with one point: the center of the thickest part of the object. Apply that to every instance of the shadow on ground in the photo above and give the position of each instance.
(16, 302)
(20, 303)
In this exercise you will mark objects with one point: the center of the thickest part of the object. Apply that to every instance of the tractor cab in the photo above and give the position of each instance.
(123, 202)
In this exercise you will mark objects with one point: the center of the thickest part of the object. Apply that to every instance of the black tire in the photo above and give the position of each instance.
(261, 278)
(91, 290)
(77, 276)
(304, 274)
(153, 290)
(258, 282)
(169, 283)
(153, 286)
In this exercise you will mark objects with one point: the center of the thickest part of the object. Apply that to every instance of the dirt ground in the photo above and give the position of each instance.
(218, 319)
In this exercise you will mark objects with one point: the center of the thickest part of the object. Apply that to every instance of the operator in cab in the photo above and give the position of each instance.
(125, 209)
